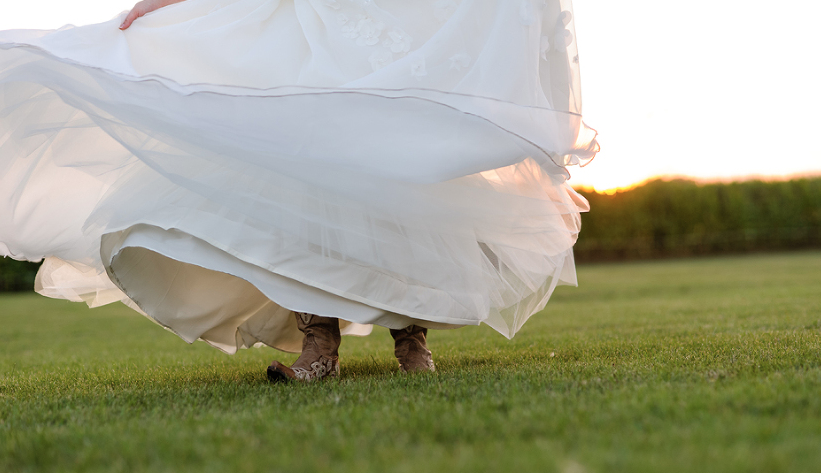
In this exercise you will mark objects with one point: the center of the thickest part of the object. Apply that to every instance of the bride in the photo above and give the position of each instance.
(285, 172)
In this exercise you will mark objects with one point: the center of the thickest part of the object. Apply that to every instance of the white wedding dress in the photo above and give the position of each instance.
(225, 162)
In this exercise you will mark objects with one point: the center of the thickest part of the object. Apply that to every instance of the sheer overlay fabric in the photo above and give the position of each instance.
(223, 163)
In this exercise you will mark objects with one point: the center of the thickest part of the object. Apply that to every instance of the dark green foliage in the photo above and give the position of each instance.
(683, 218)
(17, 275)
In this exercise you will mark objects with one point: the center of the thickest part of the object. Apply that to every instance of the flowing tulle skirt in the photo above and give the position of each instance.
(225, 162)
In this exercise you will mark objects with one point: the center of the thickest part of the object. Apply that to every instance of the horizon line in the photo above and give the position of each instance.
(700, 180)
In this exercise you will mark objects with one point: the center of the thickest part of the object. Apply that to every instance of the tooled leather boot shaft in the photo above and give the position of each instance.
(320, 351)
(321, 334)
(411, 349)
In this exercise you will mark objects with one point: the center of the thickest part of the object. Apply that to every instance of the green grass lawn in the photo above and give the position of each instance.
(690, 365)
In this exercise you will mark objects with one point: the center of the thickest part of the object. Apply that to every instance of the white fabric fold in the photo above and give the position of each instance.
(225, 162)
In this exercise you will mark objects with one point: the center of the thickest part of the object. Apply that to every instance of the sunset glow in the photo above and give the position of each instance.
(622, 179)
(719, 91)
(716, 91)
(609, 189)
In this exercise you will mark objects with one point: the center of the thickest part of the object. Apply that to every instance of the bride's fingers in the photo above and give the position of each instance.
(136, 12)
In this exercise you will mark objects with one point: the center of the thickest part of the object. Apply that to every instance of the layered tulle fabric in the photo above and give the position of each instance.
(225, 162)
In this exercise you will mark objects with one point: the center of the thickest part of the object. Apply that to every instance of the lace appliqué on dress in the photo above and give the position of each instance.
(389, 43)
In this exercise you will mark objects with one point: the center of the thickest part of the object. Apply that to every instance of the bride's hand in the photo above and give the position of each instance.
(145, 6)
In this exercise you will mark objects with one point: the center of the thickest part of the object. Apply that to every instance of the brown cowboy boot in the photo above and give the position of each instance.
(320, 351)
(411, 349)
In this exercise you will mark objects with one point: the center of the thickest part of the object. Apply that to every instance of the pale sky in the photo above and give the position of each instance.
(709, 89)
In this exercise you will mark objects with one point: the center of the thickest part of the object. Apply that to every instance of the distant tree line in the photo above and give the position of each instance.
(17, 275)
(683, 218)
(660, 219)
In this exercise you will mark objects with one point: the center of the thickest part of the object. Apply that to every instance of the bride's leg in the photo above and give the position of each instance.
(320, 351)
(411, 349)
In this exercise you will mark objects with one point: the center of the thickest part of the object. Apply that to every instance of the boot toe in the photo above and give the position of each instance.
(418, 363)
(279, 373)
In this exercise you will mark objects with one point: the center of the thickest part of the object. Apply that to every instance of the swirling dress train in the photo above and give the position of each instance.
(225, 162)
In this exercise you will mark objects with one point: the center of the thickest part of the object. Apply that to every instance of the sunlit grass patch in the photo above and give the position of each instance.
(699, 365)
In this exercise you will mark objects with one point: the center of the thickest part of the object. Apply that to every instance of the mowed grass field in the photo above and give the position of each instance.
(675, 366)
